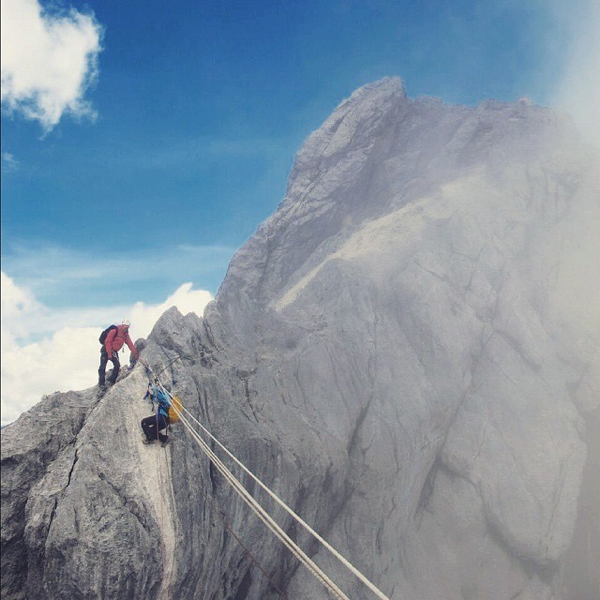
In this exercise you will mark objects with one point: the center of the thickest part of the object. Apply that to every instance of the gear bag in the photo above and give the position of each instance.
(176, 403)
(103, 335)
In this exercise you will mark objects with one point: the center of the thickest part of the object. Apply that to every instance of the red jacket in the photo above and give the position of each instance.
(116, 338)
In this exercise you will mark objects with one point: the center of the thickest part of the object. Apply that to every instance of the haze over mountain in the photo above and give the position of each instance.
(406, 352)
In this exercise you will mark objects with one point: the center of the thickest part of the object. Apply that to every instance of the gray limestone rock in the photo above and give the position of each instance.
(406, 352)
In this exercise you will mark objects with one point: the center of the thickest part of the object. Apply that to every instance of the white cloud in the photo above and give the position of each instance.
(48, 61)
(67, 356)
(16, 301)
(144, 316)
(9, 162)
(578, 91)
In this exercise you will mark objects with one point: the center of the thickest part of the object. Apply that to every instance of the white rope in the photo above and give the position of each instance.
(281, 503)
(262, 514)
(331, 549)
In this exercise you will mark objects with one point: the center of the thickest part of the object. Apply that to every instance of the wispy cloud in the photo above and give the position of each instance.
(66, 353)
(195, 151)
(9, 162)
(49, 60)
(63, 276)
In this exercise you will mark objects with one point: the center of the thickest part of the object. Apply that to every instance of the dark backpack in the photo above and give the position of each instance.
(103, 335)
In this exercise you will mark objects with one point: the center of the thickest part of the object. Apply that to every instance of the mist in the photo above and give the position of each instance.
(578, 89)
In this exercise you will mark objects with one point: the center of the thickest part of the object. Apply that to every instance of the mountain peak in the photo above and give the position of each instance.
(378, 151)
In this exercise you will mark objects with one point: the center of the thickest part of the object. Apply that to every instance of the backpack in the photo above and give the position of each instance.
(103, 335)
(175, 402)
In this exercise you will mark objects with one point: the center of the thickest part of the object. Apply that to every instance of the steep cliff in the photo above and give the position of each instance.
(406, 352)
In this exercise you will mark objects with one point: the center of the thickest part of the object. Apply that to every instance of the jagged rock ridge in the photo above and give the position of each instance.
(406, 351)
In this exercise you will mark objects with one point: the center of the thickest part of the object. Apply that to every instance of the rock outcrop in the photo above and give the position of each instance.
(406, 352)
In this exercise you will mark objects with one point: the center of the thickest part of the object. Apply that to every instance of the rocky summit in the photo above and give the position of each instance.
(406, 352)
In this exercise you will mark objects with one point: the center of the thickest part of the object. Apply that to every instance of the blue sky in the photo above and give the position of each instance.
(201, 107)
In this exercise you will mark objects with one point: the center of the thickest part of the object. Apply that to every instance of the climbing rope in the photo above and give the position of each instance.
(215, 510)
(319, 574)
(281, 503)
(263, 515)
(253, 558)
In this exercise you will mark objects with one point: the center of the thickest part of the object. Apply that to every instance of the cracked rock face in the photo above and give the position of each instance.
(406, 352)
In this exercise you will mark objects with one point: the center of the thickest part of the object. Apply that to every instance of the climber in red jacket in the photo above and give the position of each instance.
(112, 340)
